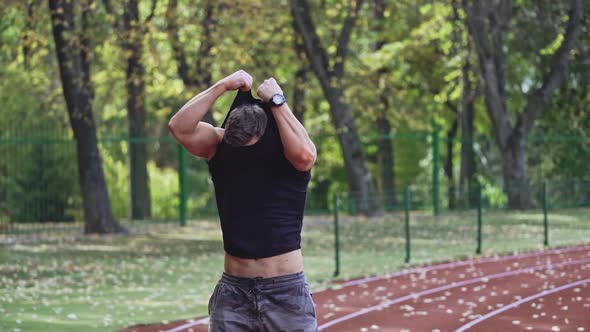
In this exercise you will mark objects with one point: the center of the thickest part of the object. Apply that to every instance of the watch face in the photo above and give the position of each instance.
(278, 99)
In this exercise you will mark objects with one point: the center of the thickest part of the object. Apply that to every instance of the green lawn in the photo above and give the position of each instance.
(102, 284)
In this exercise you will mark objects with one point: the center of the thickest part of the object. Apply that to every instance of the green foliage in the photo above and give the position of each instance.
(165, 198)
(44, 191)
(493, 195)
(417, 156)
(38, 179)
(117, 178)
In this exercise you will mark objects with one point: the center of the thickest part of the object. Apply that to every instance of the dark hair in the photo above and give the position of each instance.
(244, 123)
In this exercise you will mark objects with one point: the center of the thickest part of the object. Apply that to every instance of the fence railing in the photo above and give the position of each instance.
(559, 214)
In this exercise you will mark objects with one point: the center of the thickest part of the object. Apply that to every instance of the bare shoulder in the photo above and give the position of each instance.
(203, 141)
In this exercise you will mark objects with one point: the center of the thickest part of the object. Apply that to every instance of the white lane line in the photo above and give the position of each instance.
(427, 269)
(190, 324)
(521, 301)
(462, 263)
(446, 287)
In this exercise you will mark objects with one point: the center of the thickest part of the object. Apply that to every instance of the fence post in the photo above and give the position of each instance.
(336, 236)
(479, 221)
(545, 219)
(435, 169)
(407, 206)
(182, 184)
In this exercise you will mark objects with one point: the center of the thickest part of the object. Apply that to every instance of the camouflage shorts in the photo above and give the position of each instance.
(279, 304)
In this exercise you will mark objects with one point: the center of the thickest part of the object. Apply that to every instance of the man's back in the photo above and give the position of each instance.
(260, 195)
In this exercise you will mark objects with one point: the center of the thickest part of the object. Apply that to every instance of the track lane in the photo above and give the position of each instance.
(447, 307)
(354, 295)
(336, 304)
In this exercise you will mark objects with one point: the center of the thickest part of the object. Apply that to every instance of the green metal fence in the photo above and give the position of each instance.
(39, 188)
(559, 215)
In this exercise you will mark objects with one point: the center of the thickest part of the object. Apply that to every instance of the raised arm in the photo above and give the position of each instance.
(198, 137)
(298, 147)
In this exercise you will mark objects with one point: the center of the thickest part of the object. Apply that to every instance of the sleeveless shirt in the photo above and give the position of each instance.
(260, 195)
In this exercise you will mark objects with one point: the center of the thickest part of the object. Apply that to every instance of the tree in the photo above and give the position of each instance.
(488, 23)
(385, 156)
(74, 67)
(134, 31)
(299, 78)
(360, 180)
(466, 116)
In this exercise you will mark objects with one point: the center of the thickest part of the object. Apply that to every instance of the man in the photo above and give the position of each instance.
(260, 161)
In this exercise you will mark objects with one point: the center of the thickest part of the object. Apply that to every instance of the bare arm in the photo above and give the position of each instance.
(298, 147)
(198, 137)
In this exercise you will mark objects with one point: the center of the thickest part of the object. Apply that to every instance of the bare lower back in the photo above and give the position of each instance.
(284, 264)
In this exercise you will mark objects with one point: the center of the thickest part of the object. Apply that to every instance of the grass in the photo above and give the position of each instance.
(74, 283)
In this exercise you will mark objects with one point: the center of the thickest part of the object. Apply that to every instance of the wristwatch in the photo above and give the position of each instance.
(277, 100)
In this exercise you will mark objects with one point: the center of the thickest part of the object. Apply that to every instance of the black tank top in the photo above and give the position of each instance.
(260, 195)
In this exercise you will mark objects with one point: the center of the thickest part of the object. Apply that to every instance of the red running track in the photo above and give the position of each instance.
(538, 291)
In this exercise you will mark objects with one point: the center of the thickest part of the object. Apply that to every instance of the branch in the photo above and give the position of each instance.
(108, 6)
(85, 47)
(204, 58)
(148, 19)
(499, 22)
(111, 11)
(316, 54)
(27, 37)
(476, 24)
(490, 63)
(179, 55)
(457, 35)
(344, 38)
(70, 64)
(538, 100)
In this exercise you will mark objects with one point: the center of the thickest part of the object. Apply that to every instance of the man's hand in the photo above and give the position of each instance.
(268, 88)
(238, 80)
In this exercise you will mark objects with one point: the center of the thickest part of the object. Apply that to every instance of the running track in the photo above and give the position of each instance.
(545, 290)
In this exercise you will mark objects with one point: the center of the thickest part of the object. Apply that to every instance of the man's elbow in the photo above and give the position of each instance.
(172, 126)
(174, 129)
(304, 160)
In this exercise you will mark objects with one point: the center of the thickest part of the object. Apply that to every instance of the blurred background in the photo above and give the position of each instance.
(437, 107)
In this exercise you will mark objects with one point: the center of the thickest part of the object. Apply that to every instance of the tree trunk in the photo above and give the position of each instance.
(467, 180)
(360, 180)
(449, 163)
(98, 216)
(299, 94)
(516, 184)
(28, 33)
(139, 189)
(466, 112)
(298, 100)
(385, 153)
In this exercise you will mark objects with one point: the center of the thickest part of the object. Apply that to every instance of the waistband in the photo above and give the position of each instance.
(259, 282)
